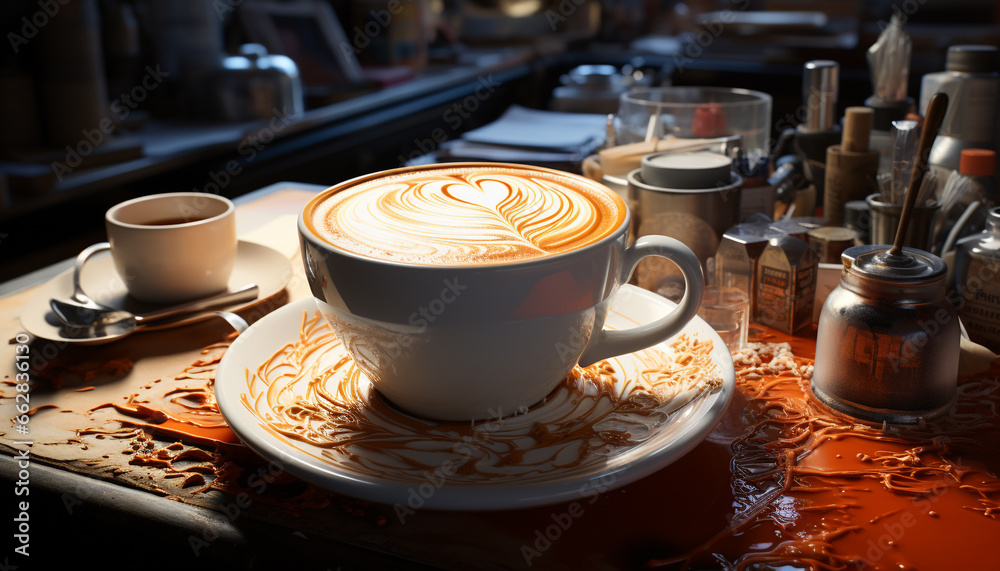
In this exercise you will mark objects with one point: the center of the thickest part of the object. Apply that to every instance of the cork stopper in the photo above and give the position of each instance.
(978, 162)
(857, 129)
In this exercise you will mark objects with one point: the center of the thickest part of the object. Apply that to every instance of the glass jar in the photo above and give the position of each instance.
(887, 345)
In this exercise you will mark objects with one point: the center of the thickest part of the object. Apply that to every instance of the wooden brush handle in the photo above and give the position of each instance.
(933, 118)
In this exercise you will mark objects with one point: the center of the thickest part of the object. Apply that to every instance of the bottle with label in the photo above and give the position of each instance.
(972, 83)
(977, 283)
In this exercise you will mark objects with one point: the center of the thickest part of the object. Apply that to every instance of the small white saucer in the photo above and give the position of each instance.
(289, 390)
(255, 263)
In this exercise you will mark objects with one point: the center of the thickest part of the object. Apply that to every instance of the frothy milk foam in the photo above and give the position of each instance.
(466, 215)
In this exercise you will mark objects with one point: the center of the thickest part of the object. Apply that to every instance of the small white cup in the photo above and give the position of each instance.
(173, 247)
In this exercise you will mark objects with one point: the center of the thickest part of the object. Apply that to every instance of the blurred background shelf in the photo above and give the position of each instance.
(510, 52)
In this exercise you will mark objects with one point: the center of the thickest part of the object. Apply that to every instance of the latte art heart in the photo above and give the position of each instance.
(463, 215)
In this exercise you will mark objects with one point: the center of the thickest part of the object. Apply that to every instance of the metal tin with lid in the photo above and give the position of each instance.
(698, 216)
(887, 346)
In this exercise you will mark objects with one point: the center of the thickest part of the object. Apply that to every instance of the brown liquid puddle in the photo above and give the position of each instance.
(815, 489)
(809, 488)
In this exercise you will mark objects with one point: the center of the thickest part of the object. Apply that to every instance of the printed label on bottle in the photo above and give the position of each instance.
(775, 298)
(980, 307)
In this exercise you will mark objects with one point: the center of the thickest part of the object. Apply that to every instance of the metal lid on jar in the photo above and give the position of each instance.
(687, 171)
(972, 59)
(874, 261)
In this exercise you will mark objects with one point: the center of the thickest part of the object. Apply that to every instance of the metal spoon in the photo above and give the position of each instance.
(238, 323)
(82, 322)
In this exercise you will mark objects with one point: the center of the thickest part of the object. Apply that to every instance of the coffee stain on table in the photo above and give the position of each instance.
(783, 481)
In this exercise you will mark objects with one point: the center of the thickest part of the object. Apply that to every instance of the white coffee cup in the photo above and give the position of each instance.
(173, 247)
(483, 340)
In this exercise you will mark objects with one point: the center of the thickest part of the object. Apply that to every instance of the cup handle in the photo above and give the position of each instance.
(605, 343)
(79, 262)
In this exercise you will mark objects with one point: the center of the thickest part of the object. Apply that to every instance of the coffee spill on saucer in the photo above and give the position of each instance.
(311, 392)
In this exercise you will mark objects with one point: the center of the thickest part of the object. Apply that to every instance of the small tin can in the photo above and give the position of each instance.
(829, 242)
(887, 346)
(786, 284)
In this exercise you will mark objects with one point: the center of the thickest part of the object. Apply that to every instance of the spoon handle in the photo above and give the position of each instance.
(936, 109)
(245, 293)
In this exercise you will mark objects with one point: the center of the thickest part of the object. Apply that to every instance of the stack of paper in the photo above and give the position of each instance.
(528, 136)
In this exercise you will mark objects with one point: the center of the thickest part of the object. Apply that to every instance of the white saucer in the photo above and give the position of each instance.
(386, 456)
(255, 263)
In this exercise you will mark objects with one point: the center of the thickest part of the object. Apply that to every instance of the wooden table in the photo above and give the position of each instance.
(781, 480)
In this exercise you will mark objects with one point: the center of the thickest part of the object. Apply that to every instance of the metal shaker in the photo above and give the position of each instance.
(256, 85)
(887, 346)
(693, 197)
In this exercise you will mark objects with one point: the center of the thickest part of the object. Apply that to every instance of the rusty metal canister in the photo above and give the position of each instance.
(786, 284)
(887, 346)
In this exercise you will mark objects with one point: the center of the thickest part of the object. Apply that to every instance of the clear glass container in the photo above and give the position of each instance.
(696, 112)
(736, 259)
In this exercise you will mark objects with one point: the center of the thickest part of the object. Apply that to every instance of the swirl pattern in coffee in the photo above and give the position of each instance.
(462, 215)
